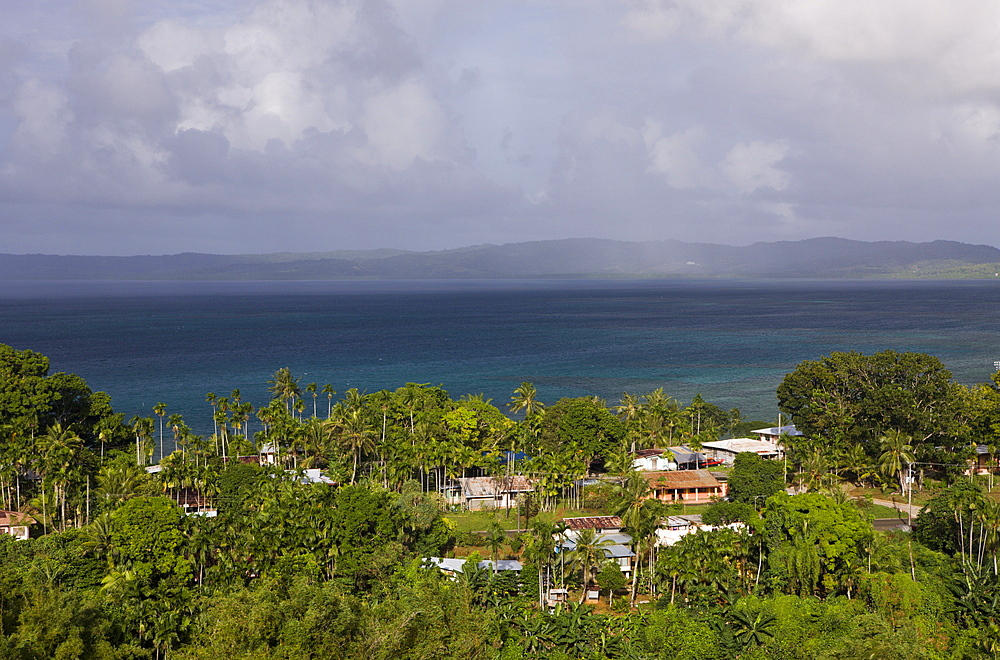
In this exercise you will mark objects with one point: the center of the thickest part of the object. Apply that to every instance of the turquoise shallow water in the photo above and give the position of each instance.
(731, 341)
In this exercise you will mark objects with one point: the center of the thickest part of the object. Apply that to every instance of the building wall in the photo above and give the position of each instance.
(480, 503)
(691, 495)
(17, 531)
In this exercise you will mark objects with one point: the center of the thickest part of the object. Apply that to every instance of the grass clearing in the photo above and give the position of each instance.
(478, 521)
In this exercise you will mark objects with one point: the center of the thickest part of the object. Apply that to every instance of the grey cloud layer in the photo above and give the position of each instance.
(151, 127)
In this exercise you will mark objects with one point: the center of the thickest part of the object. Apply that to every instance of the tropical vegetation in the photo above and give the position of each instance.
(125, 563)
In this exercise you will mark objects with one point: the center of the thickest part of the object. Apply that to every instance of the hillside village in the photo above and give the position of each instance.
(576, 520)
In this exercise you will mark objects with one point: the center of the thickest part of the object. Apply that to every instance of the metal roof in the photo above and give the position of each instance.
(788, 429)
(738, 445)
(682, 479)
(11, 518)
(593, 522)
(686, 455)
(617, 552)
(457, 564)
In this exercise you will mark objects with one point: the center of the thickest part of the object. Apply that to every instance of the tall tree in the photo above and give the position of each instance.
(897, 454)
(356, 436)
(525, 398)
(284, 387)
(851, 398)
(588, 552)
(311, 389)
(160, 409)
(329, 392)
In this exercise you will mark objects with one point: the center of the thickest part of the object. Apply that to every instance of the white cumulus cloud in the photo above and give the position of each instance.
(754, 166)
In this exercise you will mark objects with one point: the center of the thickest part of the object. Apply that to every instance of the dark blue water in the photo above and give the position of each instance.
(731, 341)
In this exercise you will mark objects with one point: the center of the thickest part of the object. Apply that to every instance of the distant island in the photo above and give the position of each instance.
(567, 258)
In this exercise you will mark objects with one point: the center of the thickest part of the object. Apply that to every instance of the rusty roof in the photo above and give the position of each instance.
(593, 522)
(682, 479)
(11, 518)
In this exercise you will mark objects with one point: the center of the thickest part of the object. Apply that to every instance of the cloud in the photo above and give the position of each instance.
(295, 124)
(43, 118)
(952, 45)
(675, 156)
(403, 124)
(751, 166)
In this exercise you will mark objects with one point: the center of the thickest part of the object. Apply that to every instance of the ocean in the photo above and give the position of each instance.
(730, 341)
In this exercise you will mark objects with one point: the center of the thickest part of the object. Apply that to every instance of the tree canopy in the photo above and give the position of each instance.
(851, 398)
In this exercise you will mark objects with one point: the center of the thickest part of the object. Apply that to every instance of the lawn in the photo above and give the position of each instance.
(878, 511)
(478, 521)
(919, 497)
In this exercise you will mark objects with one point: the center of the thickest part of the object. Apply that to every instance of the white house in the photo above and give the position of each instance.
(493, 492)
(671, 458)
(653, 460)
(14, 523)
(774, 433)
(726, 450)
(453, 566)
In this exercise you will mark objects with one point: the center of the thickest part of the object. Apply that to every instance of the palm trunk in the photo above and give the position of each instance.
(635, 579)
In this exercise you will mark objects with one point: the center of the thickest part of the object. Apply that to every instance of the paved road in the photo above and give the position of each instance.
(899, 506)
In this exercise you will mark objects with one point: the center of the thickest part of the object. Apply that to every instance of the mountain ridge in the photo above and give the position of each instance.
(821, 257)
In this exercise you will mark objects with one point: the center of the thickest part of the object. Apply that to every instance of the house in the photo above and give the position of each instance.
(479, 493)
(195, 503)
(726, 450)
(616, 548)
(653, 460)
(671, 458)
(774, 433)
(983, 461)
(453, 566)
(600, 524)
(689, 486)
(268, 454)
(686, 458)
(607, 529)
(16, 524)
(311, 476)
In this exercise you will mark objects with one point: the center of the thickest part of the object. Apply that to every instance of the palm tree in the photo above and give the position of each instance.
(541, 550)
(118, 482)
(311, 389)
(587, 553)
(640, 518)
(160, 409)
(211, 398)
(142, 427)
(896, 453)
(525, 398)
(495, 539)
(284, 386)
(176, 422)
(630, 411)
(329, 392)
(58, 453)
(814, 470)
(355, 435)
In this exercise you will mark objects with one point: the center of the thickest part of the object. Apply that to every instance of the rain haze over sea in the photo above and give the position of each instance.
(731, 341)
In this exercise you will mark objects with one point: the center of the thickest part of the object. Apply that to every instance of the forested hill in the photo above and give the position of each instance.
(819, 257)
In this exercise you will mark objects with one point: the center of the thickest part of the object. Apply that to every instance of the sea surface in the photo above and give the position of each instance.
(731, 341)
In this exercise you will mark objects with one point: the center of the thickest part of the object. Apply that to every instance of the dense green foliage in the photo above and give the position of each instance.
(295, 569)
(754, 479)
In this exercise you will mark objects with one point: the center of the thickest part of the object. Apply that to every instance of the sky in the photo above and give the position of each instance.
(167, 126)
